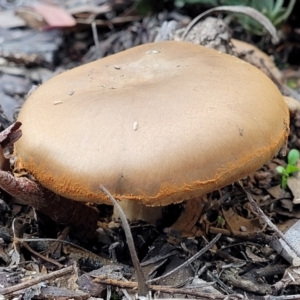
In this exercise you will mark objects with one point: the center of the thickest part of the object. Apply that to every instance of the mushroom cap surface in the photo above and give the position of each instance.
(159, 123)
(256, 57)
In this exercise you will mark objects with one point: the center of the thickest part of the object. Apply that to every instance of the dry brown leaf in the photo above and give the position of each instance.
(186, 223)
(254, 257)
(277, 192)
(236, 223)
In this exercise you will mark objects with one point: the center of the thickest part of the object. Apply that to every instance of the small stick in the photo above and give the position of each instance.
(143, 288)
(50, 260)
(286, 297)
(31, 282)
(10, 135)
(102, 259)
(266, 219)
(256, 237)
(163, 289)
(21, 240)
(190, 260)
(95, 37)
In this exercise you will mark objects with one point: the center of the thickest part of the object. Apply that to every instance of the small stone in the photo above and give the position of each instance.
(243, 229)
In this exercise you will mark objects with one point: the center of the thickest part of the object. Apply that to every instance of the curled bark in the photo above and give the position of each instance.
(78, 215)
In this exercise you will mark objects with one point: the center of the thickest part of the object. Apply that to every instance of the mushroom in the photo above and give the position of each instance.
(156, 124)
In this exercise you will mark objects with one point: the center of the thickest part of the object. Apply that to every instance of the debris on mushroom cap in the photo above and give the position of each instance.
(173, 121)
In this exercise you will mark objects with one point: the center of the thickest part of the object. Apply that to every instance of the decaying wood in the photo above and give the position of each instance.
(246, 284)
(271, 270)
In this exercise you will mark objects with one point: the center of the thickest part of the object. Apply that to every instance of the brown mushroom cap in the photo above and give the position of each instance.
(159, 123)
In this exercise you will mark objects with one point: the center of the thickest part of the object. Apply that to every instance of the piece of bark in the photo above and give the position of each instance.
(78, 215)
(56, 293)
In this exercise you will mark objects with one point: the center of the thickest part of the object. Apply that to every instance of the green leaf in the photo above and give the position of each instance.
(293, 157)
(235, 2)
(277, 8)
(287, 12)
(292, 83)
(280, 170)
(284, 182)
(264, 5)
(181, 3)
(291, 169)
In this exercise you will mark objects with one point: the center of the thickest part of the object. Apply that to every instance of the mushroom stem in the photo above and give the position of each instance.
(135, 211)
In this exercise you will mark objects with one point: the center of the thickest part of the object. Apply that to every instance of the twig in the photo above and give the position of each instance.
(288, 297)
(52, 261)
(255, 237)
(266, 219)
(22, 240)
(143, 288)
(10, 135)
(31, 282)
(160, 288)
(190, 260)
(102, 259)
(244, 284)
(114, 21)
(222, 285)
(95, 37)
(271, 270)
